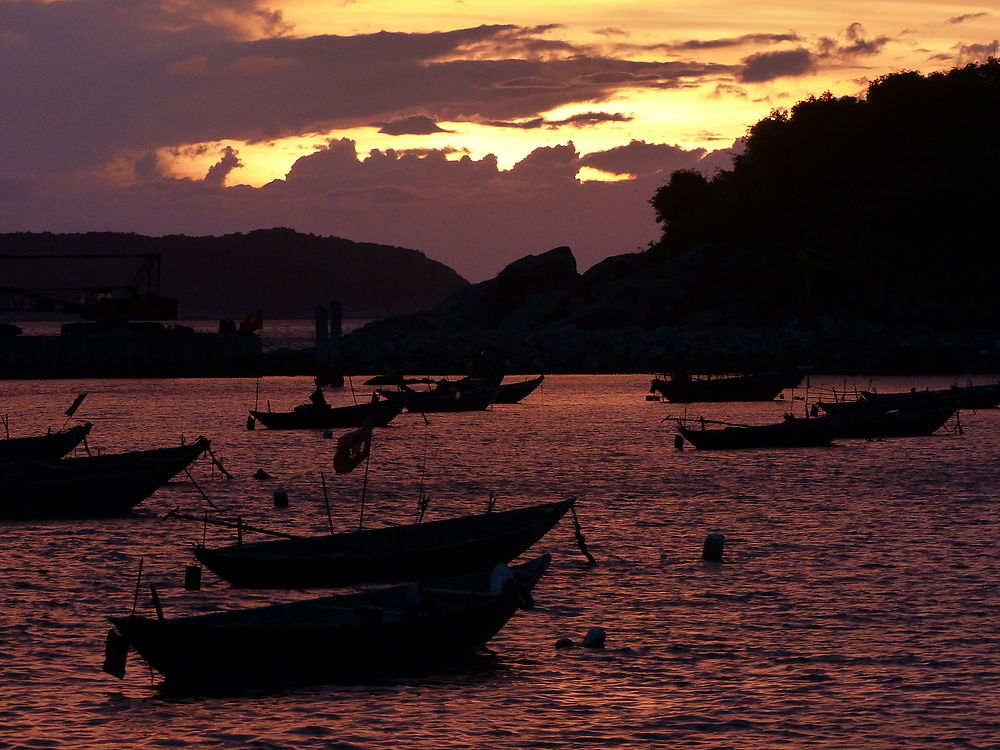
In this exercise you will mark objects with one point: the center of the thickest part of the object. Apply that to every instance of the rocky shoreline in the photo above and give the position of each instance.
(540, 316)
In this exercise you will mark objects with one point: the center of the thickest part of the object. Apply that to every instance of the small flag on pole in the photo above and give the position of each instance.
(353, 448)
(76, 404)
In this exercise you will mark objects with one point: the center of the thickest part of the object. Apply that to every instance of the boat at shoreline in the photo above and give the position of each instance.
(380, 631)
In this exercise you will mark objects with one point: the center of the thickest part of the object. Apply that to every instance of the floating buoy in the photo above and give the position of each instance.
(594, 638)
(192, 578)
(261, 474)
(714, 544)
(565, 643)
(281, 498)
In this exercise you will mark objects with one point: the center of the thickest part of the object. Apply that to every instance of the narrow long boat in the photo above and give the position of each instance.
(311, 417)
(387, 630)
(393, 553)
(90, 486)
(52, 445)
(792, 433)
(764, 386)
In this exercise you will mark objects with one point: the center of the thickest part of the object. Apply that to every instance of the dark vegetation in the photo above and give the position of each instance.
(279, 271)
(880, 208)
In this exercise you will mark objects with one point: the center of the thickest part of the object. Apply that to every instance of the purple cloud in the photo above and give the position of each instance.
(766, 66)
(413, 125)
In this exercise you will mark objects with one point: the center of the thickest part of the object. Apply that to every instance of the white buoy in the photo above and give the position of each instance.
(594, 638)
(714, 544)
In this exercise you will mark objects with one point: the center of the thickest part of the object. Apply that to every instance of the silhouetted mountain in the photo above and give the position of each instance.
(280, 271)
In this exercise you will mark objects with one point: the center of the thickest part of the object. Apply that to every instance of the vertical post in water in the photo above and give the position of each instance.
(326, 501)
(334, 372)
(138, 583)
(322, 362)
(364, 490)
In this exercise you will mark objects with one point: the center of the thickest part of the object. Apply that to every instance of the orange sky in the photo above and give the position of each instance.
(851, 45)
(462, 128)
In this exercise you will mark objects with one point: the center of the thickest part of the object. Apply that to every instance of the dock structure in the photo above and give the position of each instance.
(123, 354)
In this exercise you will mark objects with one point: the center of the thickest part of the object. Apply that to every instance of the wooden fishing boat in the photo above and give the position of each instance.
(52, 445)
(866, 420)
(90, 486)
(386, 630)
(511, 393)
(312, 417)
(444, 397)
(791, 433)
(681, 388)
(394, 553)
(964, 396)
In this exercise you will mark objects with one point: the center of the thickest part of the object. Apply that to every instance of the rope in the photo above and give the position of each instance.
(200, 490)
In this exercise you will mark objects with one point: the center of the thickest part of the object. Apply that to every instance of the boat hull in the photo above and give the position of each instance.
(511, 393)
(53, 446)
(90, 487)
(341, 637)
(756, 387)
(796, 434)
(382, 413)
(395, 553)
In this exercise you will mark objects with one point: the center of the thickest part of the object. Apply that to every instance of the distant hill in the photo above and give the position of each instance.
(280, 271)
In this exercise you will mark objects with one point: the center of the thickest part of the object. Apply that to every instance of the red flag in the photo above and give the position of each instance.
(253, 322)
(353, 448)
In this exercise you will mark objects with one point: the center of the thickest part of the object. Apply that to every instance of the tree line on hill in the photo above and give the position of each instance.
(880, 207)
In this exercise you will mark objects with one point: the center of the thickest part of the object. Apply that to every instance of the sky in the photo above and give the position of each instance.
(476, 132)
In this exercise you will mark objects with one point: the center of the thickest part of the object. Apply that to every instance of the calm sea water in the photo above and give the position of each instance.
(857, 605)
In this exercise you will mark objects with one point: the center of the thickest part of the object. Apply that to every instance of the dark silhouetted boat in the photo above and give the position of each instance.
(382, 631)
(681, 388)
(964, 396)
(90, 486)
(50, 446)
(445, 396)
(313, 417)
(865, 419)
(511, 393)
(394, 553)
(791, 433)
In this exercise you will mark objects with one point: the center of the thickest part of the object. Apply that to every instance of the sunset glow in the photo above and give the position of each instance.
(208, 97)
